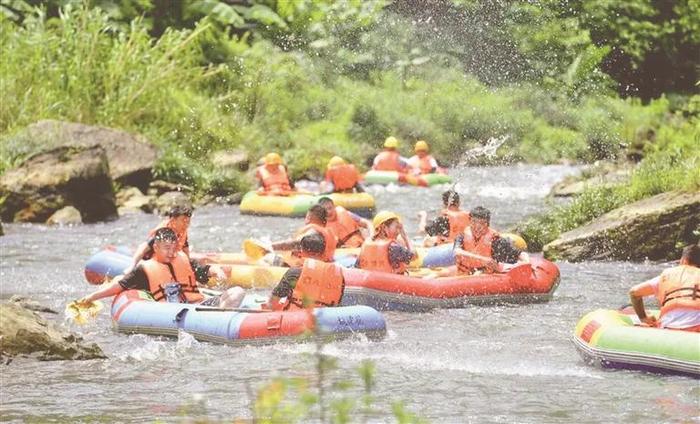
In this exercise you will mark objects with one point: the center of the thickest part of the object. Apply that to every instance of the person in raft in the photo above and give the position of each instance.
(272, 176)
(320, 242)
(458, 219)
(678, 291)
(480, 249)
(341, 177)
(390, 159)
(178, 220)
(169, 277)
(314, 284)
(422, 162)
(383, 251)
(345, 225)
(437, 231)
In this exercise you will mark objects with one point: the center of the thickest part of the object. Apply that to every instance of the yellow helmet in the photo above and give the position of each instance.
(421, 146)
(273, 159)
(391, 143)
(517, 241)
(382, 217)
(335, 161)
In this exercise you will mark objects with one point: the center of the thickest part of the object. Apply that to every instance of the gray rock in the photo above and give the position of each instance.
(30, 304)
(655, 228)
(51, 180)
(65, 216)
(158, 187)
(131, 157)
(131, 200)
(170, 199)
(23, 332)
(231, 159)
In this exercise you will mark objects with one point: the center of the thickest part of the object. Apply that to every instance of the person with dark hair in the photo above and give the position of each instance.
(458, 219)
(384, 252)
(678, 291)
(473, 249)
(178, 220)
(314, 234)
(168, 276)
(345, 225)
(438, 231)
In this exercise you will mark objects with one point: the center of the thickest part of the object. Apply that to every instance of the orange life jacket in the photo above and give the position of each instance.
(388, 160)
(422, 165)
(344, 177)
(459, 221)
(159, 275)
(277, 181)
(346, 229)
(328, 238)
(482, 247)
(679, 287)
(319, 284)
(181, 235)
(374, 256)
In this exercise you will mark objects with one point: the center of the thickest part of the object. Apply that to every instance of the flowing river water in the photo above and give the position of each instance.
(479, 364)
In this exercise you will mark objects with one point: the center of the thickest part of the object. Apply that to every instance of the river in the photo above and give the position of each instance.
(497, 364)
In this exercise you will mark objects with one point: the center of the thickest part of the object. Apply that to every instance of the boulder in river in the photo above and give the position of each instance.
(53, 179)
(131, 200)
(67, 215)
(168, 200)
(231, 159)
(654, 228)
(131, 157)
(23, 332)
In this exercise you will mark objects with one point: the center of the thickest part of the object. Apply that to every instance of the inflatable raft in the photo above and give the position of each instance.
(135, 311)
(527, 283)
(113, 260)
(393, 177)
(297, 205)
(614, 339)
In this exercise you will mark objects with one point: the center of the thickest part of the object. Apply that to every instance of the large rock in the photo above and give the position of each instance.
(131, 200)
(574, 186)
(49, 181)
(131, 157)
(65, 216)
(231, 159)
(168, 200)
(655, 228)
(23, 332)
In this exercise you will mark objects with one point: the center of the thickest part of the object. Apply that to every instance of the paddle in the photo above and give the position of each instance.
(255, 249)
(81, 313)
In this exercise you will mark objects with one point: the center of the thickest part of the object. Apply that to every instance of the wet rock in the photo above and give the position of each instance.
(132, 200)
(603, 175)
(655, 228)
(23, 332)
(30, 304)
(231, 159)
(54, 179)
(131, 157)
(65, 216)
(171, 199)
(159, 187)
(2, 231)
(232, 199)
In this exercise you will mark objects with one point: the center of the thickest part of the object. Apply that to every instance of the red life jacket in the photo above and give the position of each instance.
(482, 247)
(374, 256)
(319, 284)
(459, 221)
(344, 177)
(679, 288)
(159, 275)
(274, 182)
(346, 229)
(388, 160)
(422, 165)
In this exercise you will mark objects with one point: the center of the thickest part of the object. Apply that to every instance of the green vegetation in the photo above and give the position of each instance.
(312, 79)
(672, 162)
